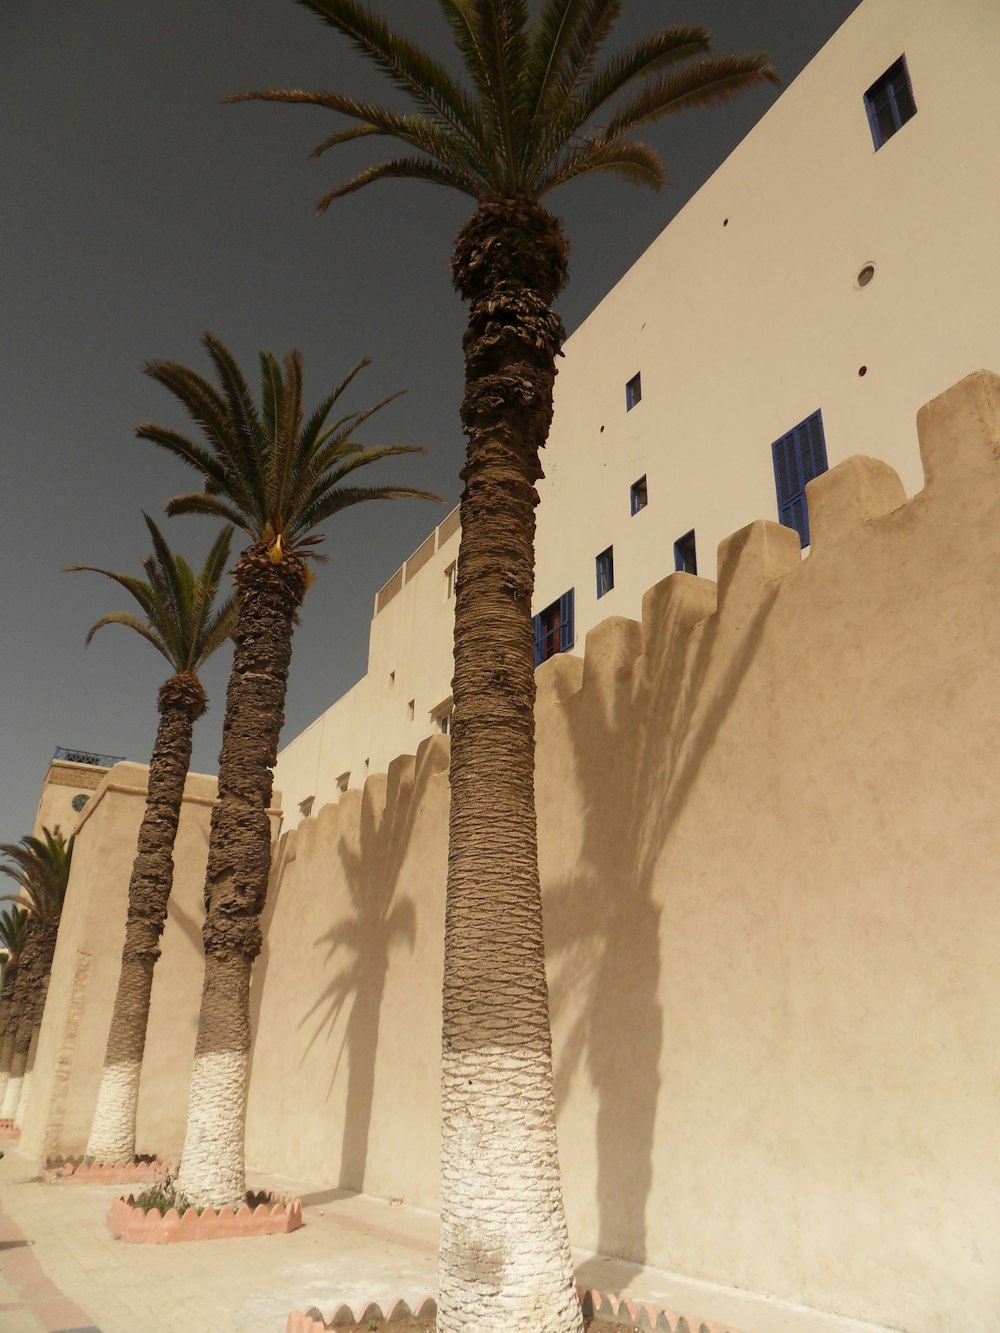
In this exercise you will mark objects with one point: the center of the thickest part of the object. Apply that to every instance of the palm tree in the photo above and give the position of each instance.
(277, 477)
(14, 927)
(520, 124)
(41, 867)
(181, 621)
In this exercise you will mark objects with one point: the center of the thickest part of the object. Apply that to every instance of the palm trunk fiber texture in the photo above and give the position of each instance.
(33, 983)
(112, 1133)
(505, 1264)
(212, 1168)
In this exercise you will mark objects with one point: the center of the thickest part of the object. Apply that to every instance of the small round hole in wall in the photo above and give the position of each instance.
(602, 430)
(79, 802)
(862, 371)
(725, 222)
(865, 275)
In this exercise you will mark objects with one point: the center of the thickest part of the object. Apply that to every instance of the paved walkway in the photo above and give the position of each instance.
(61, 1270)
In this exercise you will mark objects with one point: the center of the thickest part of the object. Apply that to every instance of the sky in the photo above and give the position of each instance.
(138, 212)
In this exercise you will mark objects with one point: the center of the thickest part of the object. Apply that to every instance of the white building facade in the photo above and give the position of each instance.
(837, 271)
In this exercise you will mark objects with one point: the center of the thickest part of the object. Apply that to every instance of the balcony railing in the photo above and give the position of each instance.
(86, 757)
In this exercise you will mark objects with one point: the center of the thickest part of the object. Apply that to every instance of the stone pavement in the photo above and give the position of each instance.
(61, 1271)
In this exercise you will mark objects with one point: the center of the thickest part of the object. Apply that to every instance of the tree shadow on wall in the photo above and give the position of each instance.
(637, 745)
(357, 954)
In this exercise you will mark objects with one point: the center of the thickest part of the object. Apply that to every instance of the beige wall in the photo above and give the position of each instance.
(768, 845)
(74, 1030)
(743, 318)
(65, 781)
(347, 993)
(768, 850)
(410, 661)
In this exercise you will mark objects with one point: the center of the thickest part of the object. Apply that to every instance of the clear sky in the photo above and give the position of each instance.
(137, 212)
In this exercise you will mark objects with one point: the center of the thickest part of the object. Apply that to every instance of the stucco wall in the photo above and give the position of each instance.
(77, 1016)
(768, 845)
(768, 850)
(347, 993)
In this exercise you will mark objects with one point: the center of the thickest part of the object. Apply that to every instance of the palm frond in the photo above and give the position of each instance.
(706, 83)
(409, 67)
(564, 46)
(334, 502)
(219, 506)
(40, 867)
(416, 168)
(628, 158)
(176, 604)
(298, 461)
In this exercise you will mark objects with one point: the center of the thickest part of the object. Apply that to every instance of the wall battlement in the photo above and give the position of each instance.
(767, 845)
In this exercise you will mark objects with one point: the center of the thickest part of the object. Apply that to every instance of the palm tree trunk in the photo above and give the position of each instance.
(112, 1133)
(505, 1264)
(6, 1030)
(239, 860)
(36, 966)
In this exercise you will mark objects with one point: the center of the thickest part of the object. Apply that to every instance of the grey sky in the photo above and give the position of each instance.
(137, 212)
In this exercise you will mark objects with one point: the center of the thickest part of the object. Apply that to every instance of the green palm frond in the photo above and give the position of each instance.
(181, 619)
(40, 867)
(273, 471)
(525, 120)
(14, 928)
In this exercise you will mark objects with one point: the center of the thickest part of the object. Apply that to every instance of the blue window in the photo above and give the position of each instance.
(605, 571)
(798, 457)
(889, 102)
(686, 554)
(554, 629)
(638, 495)
(633, 392)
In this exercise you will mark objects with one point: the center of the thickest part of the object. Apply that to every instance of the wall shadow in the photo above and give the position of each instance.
(358, 948)
(637, 740)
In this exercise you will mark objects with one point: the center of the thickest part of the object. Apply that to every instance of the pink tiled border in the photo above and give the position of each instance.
(130, 1223)
(615, 1309)
(343, 1316)
(82, 1172)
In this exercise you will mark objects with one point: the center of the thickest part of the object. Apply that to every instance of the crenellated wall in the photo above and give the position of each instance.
(769, 843)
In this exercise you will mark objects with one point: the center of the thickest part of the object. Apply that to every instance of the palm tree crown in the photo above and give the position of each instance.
(523, 127)
(267, 469)
(181, 620)
(40, 866)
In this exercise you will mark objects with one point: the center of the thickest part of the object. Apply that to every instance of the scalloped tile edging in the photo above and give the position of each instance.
(129, 1223)
(621, 1310)
(7, 1130)
(311, 1321)
(142, 1170)
(601, 1305)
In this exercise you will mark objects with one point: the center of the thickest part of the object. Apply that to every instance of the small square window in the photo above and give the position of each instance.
(638, 496)
(605, 571)
(889, 102)
(442, 716)
(554, 629)
(343, 781)
(686, 554)
(449, 581)
(633, 392)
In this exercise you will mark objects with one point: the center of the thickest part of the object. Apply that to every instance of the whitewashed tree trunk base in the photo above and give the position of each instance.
(22, 1101)
(211, 1170)
(505, 1259)
(112, 1133)
(12, 1096)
